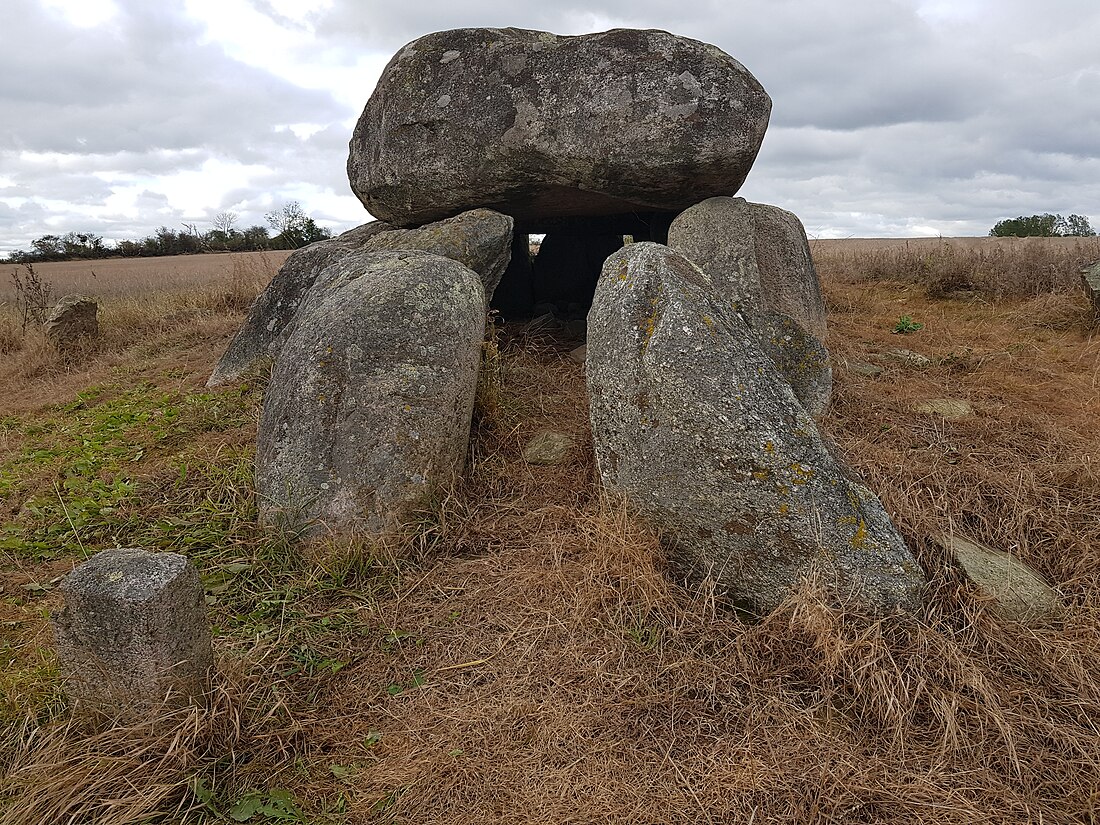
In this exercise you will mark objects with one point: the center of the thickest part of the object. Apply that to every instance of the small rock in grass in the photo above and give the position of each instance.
(863, 368)
(73, 318)
(950, 408)
(905, 356)
(579, 354)
(1014, 591)
(133, 634)
(548, 447)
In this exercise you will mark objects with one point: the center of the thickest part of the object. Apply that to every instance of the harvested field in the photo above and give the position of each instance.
(119, 277)
(524, 654)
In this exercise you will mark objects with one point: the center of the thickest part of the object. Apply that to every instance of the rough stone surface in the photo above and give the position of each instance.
(1090, 280)
(1014, 591)
(133, 633)
(480, 239)
(540, 126)
(949, 408)
(72, 319)
(548, 447)
(695, 425)
(272, 313)
(758, 258)
(369, 405)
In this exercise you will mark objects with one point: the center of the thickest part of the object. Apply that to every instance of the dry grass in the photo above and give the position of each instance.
(527, 656)
(122, 277)
(995, 267)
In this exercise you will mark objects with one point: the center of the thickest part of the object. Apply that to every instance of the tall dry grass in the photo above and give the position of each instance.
(996, 267)
(529, 654)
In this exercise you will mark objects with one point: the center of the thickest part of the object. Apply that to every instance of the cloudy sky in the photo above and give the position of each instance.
(890, 117)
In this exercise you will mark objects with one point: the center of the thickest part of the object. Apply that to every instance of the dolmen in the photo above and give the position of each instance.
(706, 362)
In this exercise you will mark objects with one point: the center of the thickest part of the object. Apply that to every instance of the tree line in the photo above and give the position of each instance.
(1043, 226)
(291, 226)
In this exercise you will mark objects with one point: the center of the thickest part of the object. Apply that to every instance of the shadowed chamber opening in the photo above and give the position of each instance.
(557, 276)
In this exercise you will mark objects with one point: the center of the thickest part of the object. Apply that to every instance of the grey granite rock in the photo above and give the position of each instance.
(480, 239)
(132, 635)
(548, 447)
(367, 413)
(1012, 590)
(697, 427)
(758, 259)
(72, 319)
(272, 313)
(540, 126)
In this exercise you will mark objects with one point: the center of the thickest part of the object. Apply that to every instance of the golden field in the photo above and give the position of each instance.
(524, 654)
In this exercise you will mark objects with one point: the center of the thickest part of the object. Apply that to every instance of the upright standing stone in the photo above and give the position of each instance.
(1090, 280)
(480, 239)
(695, 425)
(72, 319)
(759, 260)
(272, 313)
(133, 634)
(368, 410)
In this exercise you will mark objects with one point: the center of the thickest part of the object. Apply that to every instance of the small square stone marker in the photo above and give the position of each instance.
(133, 633)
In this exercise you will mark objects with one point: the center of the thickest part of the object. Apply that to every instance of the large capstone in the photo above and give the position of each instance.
(694, 423)
(540, 126)
(479, 239)
(367, 414)
(758, 258)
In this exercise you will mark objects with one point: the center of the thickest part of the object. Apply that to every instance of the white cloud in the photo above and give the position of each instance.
(898, 117)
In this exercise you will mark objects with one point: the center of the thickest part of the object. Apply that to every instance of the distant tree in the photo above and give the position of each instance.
(224, 222)
(1077, 226)
(294, 228)
(253, 239)
(1042, 226)
(48, 248)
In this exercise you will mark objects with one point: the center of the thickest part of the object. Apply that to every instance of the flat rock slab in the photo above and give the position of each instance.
(949, 408)
(904, 356)
(697, 427)
(548, 447)
(537, 126)
(133, 634)
(367, 413)
(863, 368)
(1013, 590)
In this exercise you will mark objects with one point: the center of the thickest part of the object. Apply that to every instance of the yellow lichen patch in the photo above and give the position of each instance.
(769, 447)
(709, 322)
(761, 475)
(859, 539)
(784, 508)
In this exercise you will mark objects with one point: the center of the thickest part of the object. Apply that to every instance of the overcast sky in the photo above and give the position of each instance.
(890, 117)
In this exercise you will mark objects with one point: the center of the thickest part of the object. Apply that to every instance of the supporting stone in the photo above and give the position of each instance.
(133, 636)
